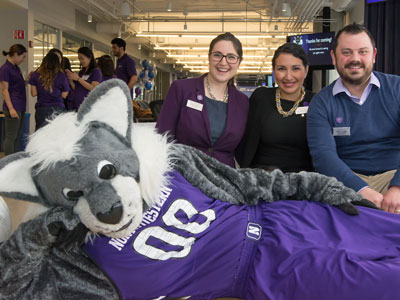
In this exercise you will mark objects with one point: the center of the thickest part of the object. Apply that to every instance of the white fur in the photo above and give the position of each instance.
(153, 153)
(111, 109)
(16, 176)
(128, 190)
(5, 221)
(55, 142)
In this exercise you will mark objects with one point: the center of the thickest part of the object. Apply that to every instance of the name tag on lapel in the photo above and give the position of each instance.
(301, 110)
(194, 105)
(341, 131)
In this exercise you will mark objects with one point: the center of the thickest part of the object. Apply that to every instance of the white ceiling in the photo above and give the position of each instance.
(261, 25)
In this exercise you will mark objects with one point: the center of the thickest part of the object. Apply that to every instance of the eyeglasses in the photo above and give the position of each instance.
(230, 58)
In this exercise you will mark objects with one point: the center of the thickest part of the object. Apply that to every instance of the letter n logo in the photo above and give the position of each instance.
(253, 231)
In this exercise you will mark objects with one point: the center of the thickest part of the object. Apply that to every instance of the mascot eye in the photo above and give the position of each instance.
(106, 170)
(72, 195)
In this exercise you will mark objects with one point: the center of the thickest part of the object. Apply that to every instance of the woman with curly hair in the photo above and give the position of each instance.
(50, 85)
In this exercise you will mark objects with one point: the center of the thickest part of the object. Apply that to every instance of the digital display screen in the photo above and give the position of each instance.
(317, 46)
(373, 1)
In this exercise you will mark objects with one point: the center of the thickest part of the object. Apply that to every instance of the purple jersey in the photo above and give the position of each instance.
(16, 85)
(47, 98)
(192, 245)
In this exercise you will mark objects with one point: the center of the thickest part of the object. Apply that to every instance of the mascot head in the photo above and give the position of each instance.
(96, 161)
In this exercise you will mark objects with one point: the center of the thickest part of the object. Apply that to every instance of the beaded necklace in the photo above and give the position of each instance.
(295, 105)
(210, 91)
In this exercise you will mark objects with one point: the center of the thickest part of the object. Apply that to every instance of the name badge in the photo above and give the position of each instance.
(85, 77)
(194, 105)
(301, 110)
(341, 131)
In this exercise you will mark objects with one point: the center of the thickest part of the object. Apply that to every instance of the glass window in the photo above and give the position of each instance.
(71, 44)
(45, 38)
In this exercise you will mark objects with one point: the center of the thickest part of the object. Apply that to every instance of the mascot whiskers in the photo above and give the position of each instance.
(164, 220)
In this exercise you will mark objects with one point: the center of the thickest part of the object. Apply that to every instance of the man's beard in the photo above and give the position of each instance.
(354, 81)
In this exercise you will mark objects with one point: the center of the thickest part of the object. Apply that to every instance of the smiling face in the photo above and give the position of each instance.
(221, 71)
(354, 58)
(289, 73)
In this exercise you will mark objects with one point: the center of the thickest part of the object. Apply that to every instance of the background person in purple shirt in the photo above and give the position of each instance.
(125, 69)
(87, 78)
(106, 66)
(14, 94)
(51, 86)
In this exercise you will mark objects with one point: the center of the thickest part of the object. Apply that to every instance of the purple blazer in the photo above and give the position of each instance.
(191, 126)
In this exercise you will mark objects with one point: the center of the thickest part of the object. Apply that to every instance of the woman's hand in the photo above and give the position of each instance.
(72, 75)
(13, 113)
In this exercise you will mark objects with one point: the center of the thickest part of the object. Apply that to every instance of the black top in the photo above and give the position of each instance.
(273, 141)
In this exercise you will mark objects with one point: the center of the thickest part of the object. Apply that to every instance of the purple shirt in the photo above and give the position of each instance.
(191, 245)
(340, 88)
(44, 97)
(16, 85)
(105, 78)
(81, 92)
(125, 69)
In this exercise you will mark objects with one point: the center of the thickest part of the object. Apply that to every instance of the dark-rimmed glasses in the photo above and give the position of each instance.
(230, 58)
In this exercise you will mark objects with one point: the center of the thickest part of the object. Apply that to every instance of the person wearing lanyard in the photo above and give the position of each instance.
(87, 79)
(208, 112)
(14, 94)
(275, 136)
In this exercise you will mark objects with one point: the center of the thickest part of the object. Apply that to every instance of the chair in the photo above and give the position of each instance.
(155, 107)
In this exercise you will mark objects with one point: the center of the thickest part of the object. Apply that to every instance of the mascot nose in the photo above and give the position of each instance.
(113, 216)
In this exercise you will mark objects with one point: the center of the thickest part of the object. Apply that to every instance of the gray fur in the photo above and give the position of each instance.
(33, 267)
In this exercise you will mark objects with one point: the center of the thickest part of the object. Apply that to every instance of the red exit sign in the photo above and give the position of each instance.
(19, 34)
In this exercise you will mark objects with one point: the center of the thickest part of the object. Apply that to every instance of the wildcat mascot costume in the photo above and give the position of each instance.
(163, 221)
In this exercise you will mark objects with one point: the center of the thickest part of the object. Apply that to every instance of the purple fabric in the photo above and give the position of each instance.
(16, 85)
(125, 69)
(80, 92)
(192, 127)
(105, 78)
(304, 250)
(44, 97)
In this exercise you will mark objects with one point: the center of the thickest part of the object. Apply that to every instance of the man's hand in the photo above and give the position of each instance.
(373, 196)
(391, 200)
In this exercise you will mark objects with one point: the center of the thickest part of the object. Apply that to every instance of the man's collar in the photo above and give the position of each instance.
(340, 88)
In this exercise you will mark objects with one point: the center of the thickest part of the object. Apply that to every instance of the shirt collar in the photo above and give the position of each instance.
(340, 88)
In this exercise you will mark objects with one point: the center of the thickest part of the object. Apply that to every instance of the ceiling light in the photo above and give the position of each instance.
(185, 27)
(286, 11)
(89, 18)
(169, 6)
(172, 48)
(139, 46)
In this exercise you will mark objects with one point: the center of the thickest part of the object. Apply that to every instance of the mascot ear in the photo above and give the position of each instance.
(16, 178)
(109, 103)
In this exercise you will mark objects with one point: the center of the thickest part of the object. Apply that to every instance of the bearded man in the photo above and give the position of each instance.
(353, 125)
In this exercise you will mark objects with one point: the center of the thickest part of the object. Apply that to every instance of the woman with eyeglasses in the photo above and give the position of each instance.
(208, 112)
(275, 136)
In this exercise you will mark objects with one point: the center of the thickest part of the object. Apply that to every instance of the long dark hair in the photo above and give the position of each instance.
(48, 70)
(227, 36)
(16, 48)
(89, 54)
(106, 65)
(291, 48)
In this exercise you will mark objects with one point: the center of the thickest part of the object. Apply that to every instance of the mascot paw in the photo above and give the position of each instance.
(351, 209)
(63, 224)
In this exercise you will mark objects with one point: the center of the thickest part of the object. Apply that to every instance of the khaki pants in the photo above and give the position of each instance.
(378, 182)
